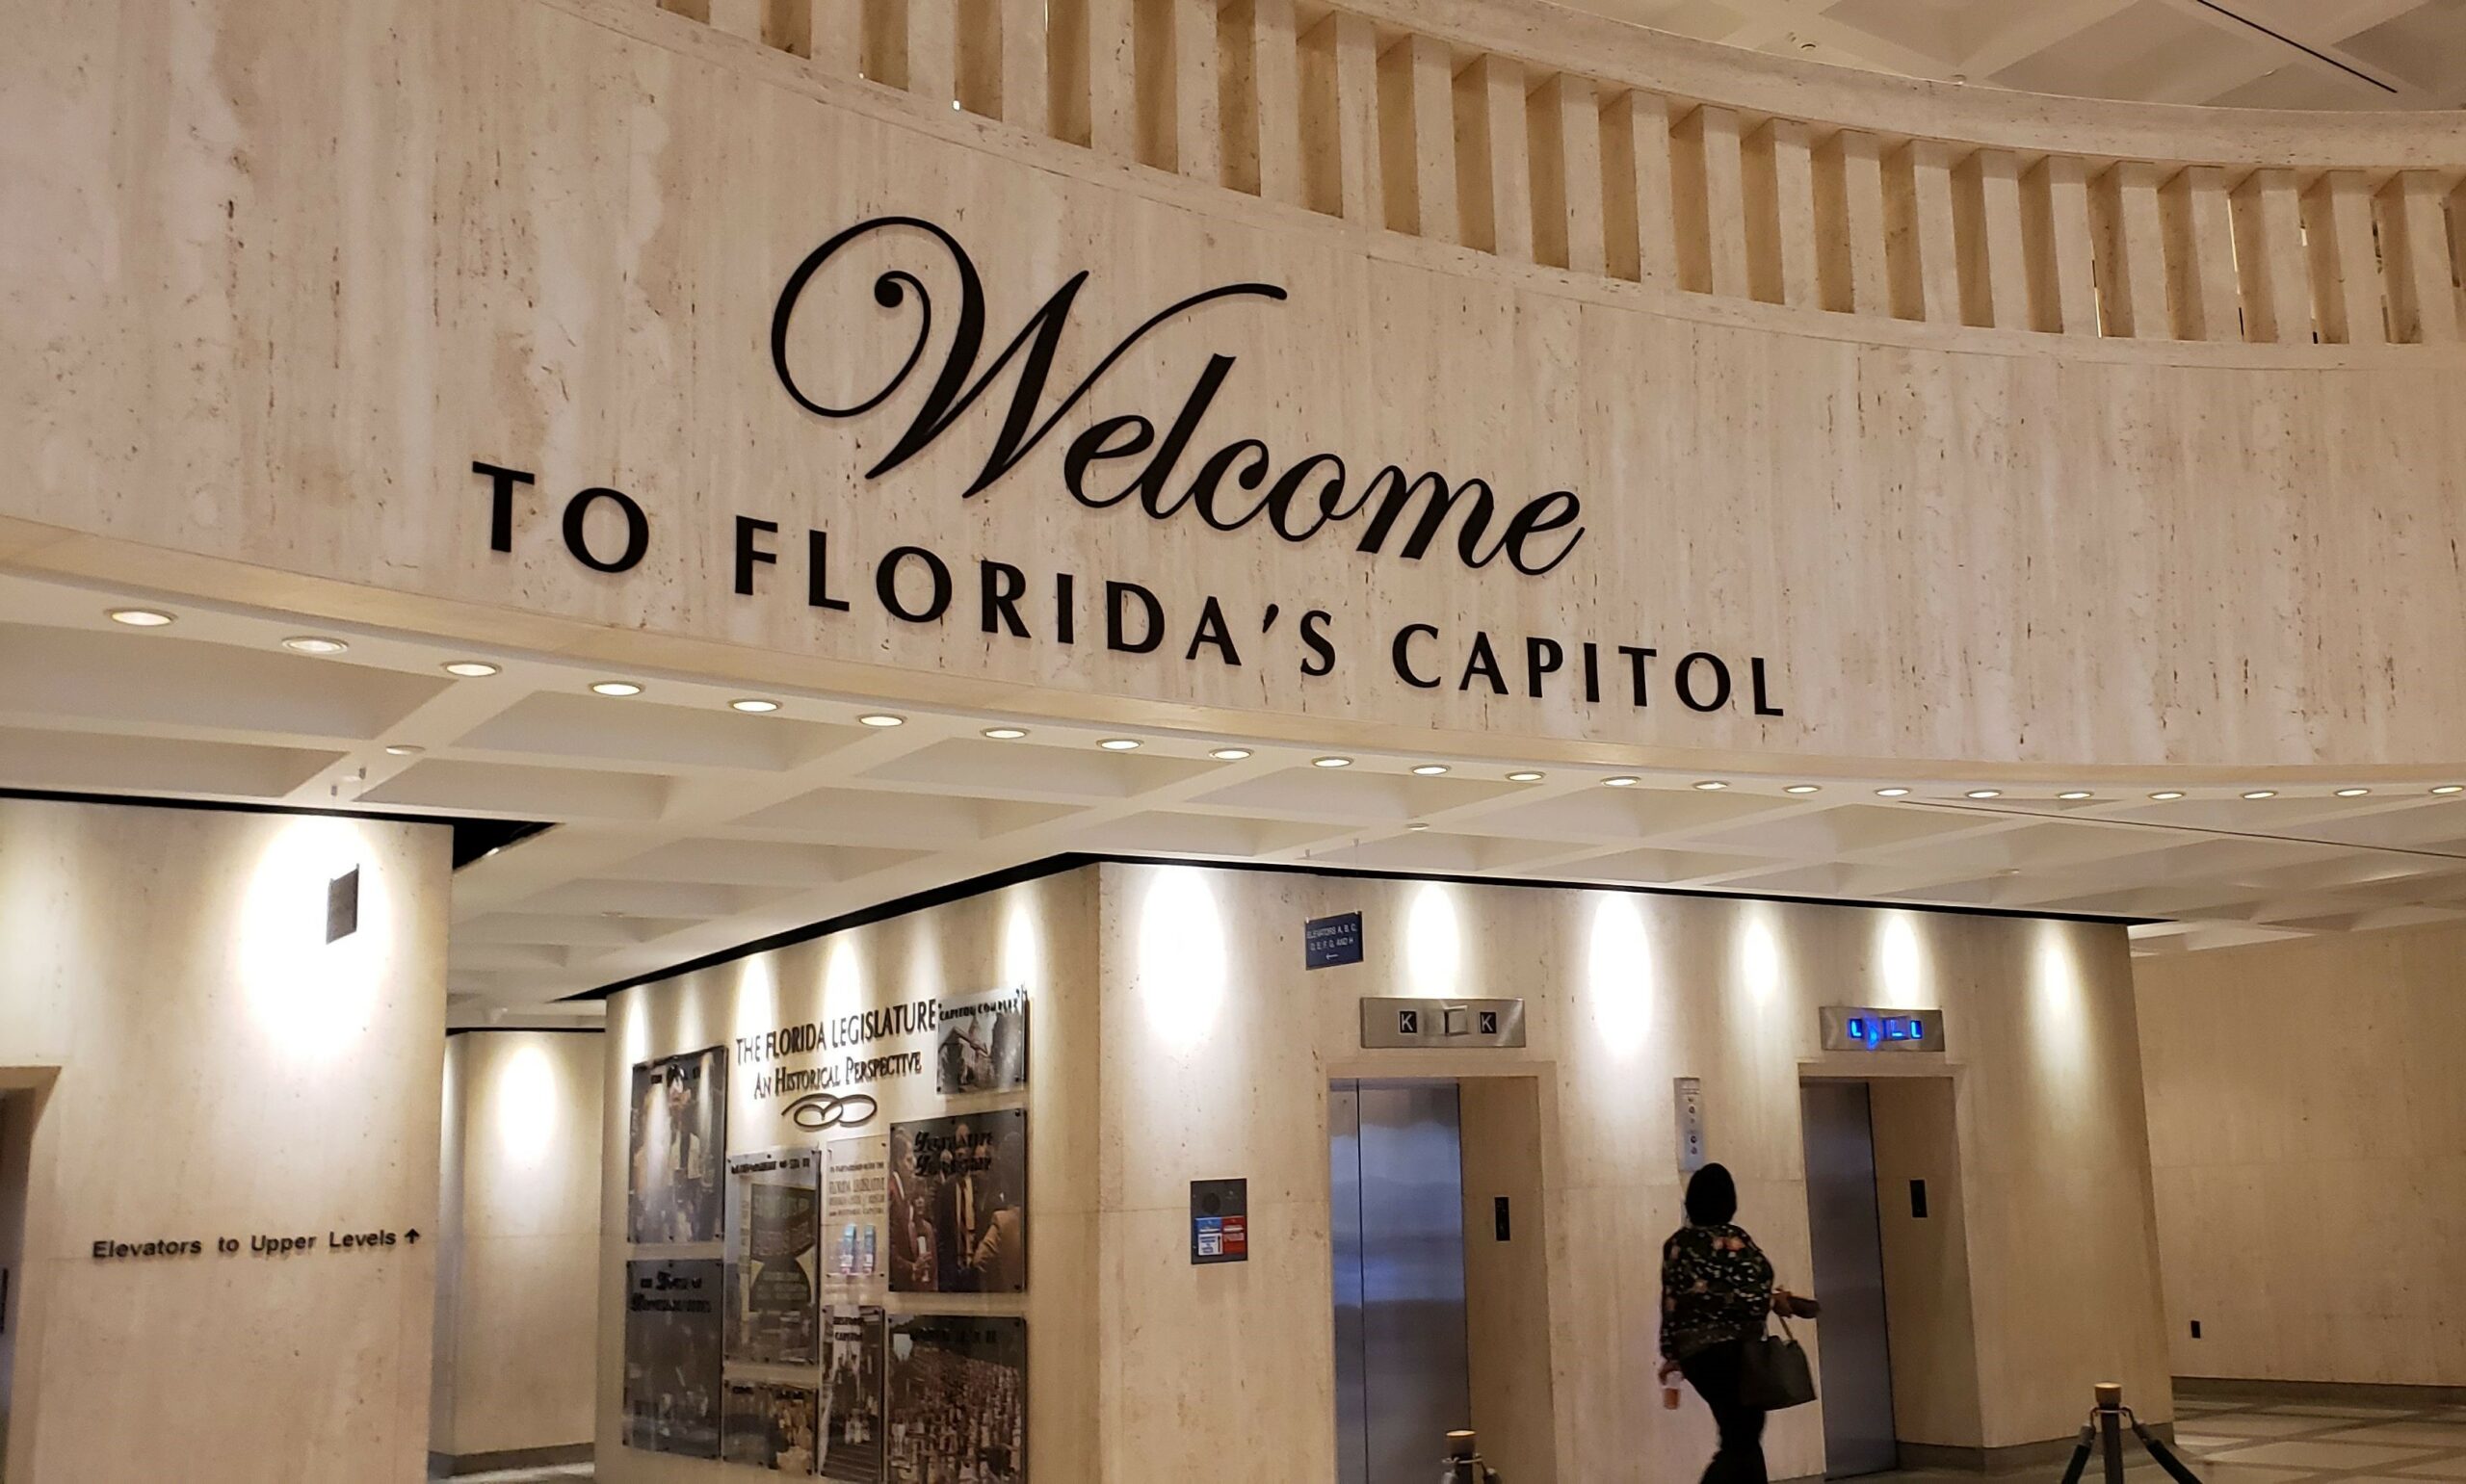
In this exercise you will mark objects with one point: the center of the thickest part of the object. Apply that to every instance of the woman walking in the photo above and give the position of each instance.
(1716, 1290)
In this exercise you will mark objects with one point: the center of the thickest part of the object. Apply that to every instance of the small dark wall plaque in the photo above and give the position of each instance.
(342, 905)
(1329, 941)
(1220, 1221)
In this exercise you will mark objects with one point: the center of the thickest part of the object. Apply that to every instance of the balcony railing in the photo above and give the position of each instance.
(1552, 137)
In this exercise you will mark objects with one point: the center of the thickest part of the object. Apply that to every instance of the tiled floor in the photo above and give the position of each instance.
(563, 1474)
(2230, 1442)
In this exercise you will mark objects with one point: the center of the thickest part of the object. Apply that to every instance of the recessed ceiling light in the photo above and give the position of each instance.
(141, 617)
(2075, 795)
(1120, 744)
(470, 669)
(2352, 792)
(1803, 788)
(2168, 795)
(1416, 826)
(1895, 792)
(755, 704)
(1622, 781)
(1712, 784)
(1331, 761)
(1430, 770)
(1230, 754)
(2447, 789)
(1984, 793)
(2261, 793)
(881, 718)
(1528, 776)
(614, 687)
(403, 750)
(314, 644)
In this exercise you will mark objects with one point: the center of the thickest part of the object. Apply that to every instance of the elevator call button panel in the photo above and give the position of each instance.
(1457, 1023)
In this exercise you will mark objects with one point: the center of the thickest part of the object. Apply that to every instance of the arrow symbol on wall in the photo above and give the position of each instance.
(413, 1237)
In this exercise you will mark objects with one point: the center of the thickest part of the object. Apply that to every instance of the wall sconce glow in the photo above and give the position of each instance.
(1181, 958)
(1433, 943)
(1901, 982)
(2058, 1015)
(1759, 959)
(757, 993)
(311, 992)
(843, 977)
(527, 1107)
(1022, 942)
(1618, 973)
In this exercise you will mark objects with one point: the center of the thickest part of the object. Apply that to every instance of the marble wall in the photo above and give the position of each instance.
(1179, 1037)
(206, 1067)
(517, 1255)
(2308, 1130)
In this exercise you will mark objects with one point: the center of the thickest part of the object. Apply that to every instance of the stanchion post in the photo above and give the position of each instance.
(2111, 1428)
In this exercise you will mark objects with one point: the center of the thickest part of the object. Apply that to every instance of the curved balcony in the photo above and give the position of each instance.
(1560, 138)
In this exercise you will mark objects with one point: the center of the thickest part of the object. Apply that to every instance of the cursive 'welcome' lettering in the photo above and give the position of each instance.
(1237, 485)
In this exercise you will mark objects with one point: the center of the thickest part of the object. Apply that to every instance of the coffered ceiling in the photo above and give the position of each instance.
(686, 828)
(2334, 54)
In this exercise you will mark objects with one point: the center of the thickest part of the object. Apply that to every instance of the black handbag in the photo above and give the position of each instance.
(1773, 1374)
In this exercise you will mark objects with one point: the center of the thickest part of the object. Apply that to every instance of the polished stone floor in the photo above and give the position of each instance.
(2290, 1442)
(563, 1474)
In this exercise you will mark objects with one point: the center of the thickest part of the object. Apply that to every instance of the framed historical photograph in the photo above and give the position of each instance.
(958, 1204)
(772, 1426)
(983, 1047)
(677, 1139)
(774, 1257)
(673, 1357)
(958, 1399)
(854, 1429)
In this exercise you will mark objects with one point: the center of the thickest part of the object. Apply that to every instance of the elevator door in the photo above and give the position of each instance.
(1848, 1239)
(1403, 1372)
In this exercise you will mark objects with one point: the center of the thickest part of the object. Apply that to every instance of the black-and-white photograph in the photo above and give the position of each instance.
(983, 1047)
(851, 1397)
(774, 1257)
(673, 1357)
(959, 1401)
(772, 1426)
(958, 1204)
(678, 1139)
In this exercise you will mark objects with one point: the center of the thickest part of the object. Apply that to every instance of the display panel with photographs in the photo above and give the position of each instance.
(853, 1433)
(958, 1399)
(983, 1047)
(958, 1204)
(673, 1357)
(772, 1426)
(677, 1139)
(856, 1189)
(773, 1253)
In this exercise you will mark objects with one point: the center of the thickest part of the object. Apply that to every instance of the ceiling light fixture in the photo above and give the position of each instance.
(1622, 781)
(403, 750)
(1230, 754)
(2075, 795)
(314, 644)
(1430, 771)
(139, 617)
(1416, 826)
(880, 718)
(2352, 792)
(614, 687)
(754, 705)
(1528, 776)
(1803, 788)
(1895, 792)
(2168, 795)
(2447, 789)
(1331, 761)
(2261, 793)
(1005, 733)
(470, 669)
(1712, 784)
(1984, 793)
(1120, 744)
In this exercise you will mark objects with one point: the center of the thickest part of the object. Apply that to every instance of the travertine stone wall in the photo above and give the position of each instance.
(1178, 1037)
(2308, 1128)
(517, 1309)
(210, 1068)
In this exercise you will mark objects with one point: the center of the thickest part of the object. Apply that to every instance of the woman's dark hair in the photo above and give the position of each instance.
(1711, 1197)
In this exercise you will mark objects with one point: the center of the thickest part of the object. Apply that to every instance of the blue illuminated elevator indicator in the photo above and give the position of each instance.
(1857, 1027)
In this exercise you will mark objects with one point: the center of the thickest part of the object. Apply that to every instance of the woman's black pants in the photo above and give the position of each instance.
(1715, 1375)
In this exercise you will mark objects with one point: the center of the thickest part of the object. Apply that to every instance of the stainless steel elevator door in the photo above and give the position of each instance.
(1402, 1369)
(1854, 1353)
